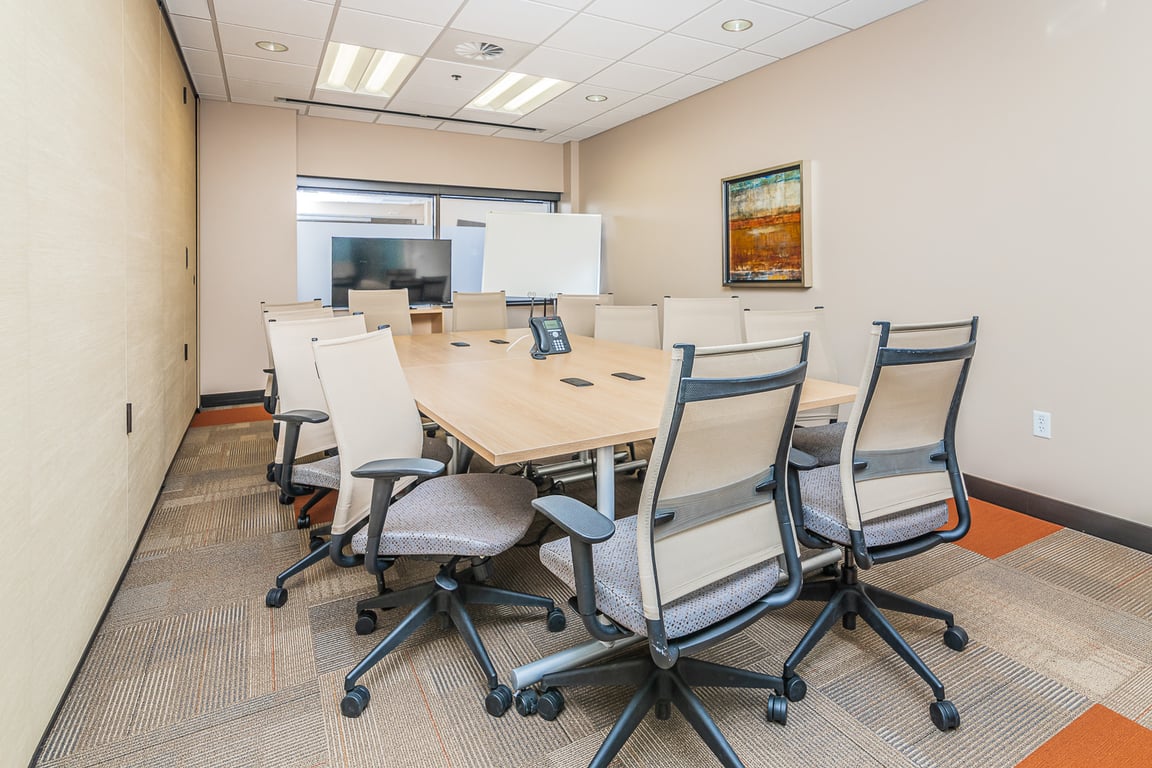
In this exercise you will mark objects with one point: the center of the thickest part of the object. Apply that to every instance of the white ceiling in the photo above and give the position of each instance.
(641, 54)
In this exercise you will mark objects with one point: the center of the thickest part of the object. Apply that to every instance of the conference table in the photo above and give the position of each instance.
(485, 389)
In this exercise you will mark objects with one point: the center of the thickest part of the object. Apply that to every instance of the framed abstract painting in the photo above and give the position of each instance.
(767, 240)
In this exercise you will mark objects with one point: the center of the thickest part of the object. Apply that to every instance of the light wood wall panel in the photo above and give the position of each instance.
(83, 185)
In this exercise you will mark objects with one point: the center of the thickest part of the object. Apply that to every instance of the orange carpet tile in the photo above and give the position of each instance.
(997, 531)
(1099, 738)
(230, 416)
(322, 512)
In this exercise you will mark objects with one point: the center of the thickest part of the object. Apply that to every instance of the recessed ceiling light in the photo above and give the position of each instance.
(354, 69)
(479, 51)
(736, 25)
(271, 46)
(519, 94)
(595, 97)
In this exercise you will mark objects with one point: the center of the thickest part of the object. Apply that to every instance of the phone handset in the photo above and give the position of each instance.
(548, 336)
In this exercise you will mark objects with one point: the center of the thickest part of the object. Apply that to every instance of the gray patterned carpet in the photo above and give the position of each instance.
(191, 669)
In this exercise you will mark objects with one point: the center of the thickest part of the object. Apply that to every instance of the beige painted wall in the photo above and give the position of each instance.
(96, 209)
(970, 157)
(249, 159)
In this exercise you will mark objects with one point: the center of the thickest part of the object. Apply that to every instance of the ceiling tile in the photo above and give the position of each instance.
(679, 54)
(512, 133)
(739, 63)
(572, 107)
(436, 81)
(408, 122)
(248, 68)
(806, 7)
(351, 99)
(202, 62)
(765, 21)
(445, 49)
(197, 8)
(579, 133)
(342, 114)
(572, 5)
(601, 37)
(686, 86)
(638, 107)
(210, 85)
(857, 13)
(296, 17)
(479, 130)
(242, 41)
(633, 77)
(806, 34)
(383, 32)
(259, 101)
(662, 15)
(252, 90)
(194, 33)
(514, 19)
(562, 65)
(427, 11)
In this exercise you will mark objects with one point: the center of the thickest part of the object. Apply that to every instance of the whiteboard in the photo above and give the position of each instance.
(542, 254)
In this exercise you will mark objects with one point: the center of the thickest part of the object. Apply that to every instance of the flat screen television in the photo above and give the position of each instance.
(423, 267)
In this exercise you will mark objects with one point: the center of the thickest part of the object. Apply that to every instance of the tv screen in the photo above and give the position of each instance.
(423, 267)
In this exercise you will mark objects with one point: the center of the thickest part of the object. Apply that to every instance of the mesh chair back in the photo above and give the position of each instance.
(479, 311)
(299, 388)
(766, 324)
(308, 312)
(723, 435)
(578, 311)
(265, 306)
(629, 325)
(703, 322)
(372, 412)
(385, 307)
(904, 425)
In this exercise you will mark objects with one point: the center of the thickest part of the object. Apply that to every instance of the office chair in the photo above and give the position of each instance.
(822, 431)
(578, 311)
(479, 311)
(703, 322)
(639, 325)
(707, 552)
(886, 499)
(385, 307)
(456, 519)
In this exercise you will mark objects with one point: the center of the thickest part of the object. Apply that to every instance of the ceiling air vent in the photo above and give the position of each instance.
(479, 51)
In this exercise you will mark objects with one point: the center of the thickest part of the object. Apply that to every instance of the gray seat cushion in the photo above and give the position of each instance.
(471, 515)
(821, 442)
(824, 513)
(323, 473)
(618, 585)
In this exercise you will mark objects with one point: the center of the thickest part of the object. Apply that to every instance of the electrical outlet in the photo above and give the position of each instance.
(1042, 424)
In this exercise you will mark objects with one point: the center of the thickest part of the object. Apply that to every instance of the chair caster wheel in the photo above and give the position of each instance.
(777, 710)
(276, 597)
(526, 702)
(315, 542)
(795, 689)
(498, 700)
(944, 715)
(271, 473)
(557, 620)
(956, 638)
(551, 704)
(641, 474)
(365, 622)
(303, 522)
(285, 499)
(355, 701)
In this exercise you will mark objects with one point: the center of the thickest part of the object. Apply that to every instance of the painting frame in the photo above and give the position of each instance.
(767, 227)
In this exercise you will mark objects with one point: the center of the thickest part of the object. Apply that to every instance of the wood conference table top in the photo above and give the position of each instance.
(509, 408)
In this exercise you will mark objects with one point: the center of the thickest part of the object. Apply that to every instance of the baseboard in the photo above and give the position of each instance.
(232, 398)
(1089, 521)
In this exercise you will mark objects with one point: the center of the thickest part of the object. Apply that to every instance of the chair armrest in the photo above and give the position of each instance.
(394, 469)
(576, 518)
(798, 459)
(301, 416)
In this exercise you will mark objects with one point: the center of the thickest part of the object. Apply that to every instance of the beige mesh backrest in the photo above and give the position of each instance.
(903, 423)
(372, 412)
(721, 451)
(308, 312)
(385, 307)
(479, 311)
(765, 324)
(703, 322)
(629, 325)
(578, 311)
(299, 388)
(290, 305)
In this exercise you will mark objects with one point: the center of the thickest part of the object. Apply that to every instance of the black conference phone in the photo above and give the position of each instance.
(548, 337)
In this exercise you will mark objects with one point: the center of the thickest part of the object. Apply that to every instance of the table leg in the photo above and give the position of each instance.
(606, 481)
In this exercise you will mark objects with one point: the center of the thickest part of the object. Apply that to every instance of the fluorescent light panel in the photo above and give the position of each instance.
(355, 69)
(519, 94)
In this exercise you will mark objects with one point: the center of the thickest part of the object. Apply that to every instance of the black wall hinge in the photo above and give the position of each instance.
(185, 351)
(129, 418)
(185, 94)
(185, 257)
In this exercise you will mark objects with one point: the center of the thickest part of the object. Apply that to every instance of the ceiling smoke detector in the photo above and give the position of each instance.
(479, 51)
